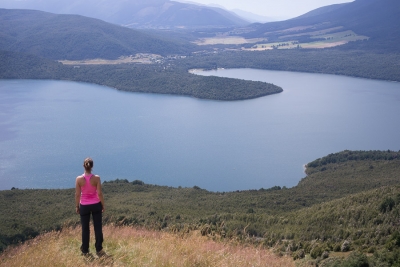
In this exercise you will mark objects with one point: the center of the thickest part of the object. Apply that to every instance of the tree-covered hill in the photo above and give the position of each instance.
(340, 203)
(76, 37)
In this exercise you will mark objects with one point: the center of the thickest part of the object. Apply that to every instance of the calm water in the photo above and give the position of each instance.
(47, 128)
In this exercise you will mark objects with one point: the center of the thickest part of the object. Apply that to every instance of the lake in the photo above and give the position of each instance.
(47, 128)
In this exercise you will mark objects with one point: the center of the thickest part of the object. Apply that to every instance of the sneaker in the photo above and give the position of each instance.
(88, 256)
(104, 257)
(101, 254)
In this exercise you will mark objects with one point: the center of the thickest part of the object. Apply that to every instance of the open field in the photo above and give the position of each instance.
(323, 44)
(130, 246)
(331, 40)
(228, 40)
(314, 33)
(138, 58)
(345, 35)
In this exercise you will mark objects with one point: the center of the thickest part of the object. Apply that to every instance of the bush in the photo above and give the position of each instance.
(325, 254)
(337, 248)
(387, 205)
(345, 246)
(316, 251)
(356, 259)
(300, 254)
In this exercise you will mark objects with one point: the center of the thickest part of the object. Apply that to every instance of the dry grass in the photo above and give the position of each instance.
(137, 247)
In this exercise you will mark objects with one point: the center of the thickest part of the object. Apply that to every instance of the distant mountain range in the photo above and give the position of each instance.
(76, 37)
(377, 19)
(153, 14)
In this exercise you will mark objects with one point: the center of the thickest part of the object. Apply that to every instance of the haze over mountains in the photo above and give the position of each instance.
(253, 18)
(155, 14)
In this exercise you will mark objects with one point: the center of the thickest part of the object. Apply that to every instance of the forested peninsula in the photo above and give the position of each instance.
(173, 77)
(166, 78)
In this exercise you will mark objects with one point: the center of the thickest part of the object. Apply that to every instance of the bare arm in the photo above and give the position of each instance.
(77, 194)
(100, 193)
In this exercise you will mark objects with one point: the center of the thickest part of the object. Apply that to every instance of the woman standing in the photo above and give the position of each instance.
(89, 200)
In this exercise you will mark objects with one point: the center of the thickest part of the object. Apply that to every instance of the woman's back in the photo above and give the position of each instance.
(89, 190)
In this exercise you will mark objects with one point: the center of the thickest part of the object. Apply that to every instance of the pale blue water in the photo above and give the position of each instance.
(47, 128)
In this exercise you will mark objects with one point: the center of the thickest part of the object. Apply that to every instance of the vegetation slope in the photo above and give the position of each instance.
(350, 201)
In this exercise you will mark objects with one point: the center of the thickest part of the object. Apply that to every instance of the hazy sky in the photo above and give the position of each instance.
(283, 9)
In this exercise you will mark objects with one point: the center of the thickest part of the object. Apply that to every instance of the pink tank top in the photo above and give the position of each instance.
(89, 192)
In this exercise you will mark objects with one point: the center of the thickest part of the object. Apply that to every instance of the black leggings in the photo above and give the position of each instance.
(85, 211)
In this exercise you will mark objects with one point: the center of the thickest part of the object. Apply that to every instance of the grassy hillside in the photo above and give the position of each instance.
(355, 200)
(139, 247)
(76, 37)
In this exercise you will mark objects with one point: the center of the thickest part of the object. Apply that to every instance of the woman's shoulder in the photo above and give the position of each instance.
(95, 178)
(80, 180)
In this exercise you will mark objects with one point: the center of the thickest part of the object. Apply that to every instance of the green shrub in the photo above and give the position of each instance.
(387, 205)
(138, 182)
(356, 259)
(300, 254)
(316, 251)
